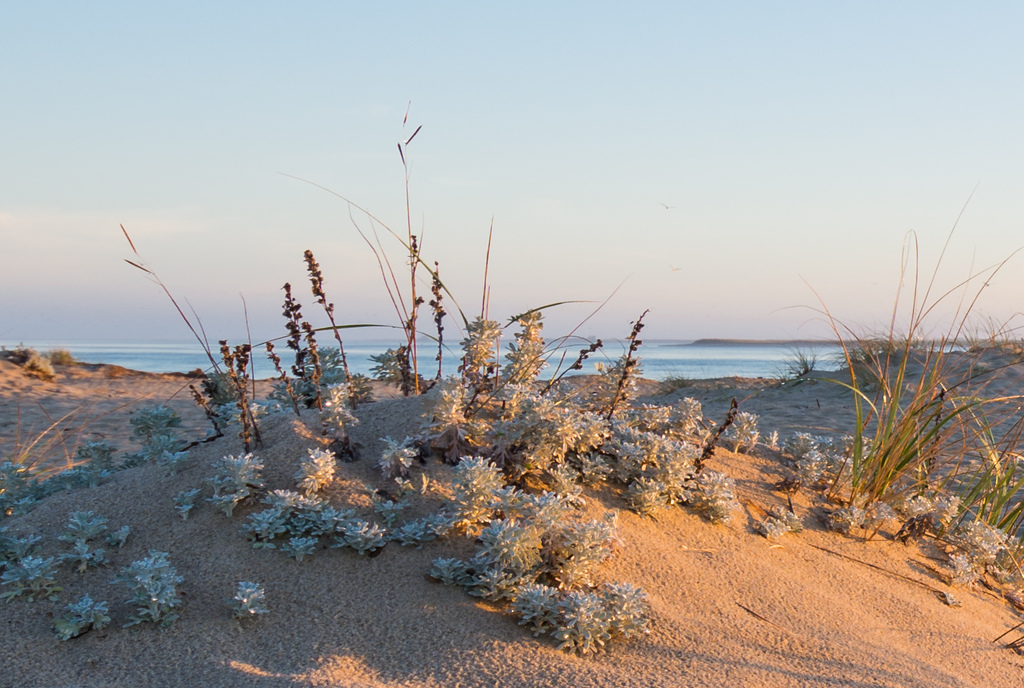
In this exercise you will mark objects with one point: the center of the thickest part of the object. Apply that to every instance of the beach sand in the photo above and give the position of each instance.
(729, 608)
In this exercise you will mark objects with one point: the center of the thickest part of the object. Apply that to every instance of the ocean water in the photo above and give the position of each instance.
(660, 359)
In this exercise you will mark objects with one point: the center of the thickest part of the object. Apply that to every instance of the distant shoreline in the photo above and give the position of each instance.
(759, 342)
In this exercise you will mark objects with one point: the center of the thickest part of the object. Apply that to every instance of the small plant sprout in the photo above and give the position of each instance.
(361, 536)
(316, 471)
(965, 572)
(153, 582)
(509, 545)
(84, 557)
(780, 521)
(799, 445)
(396, 458)
(646, 496)
(85, 615)
(33, 577)
(300, 547)
(249, 601)
(450, 571)
(715, 496)
(627, 609)
(152, 421)
(83, 526)
(476, 482)
(584, 624)
(118, 537)
(479, 347)
(185, 501)
(744, 432)
(14, 548)
(526, 355)
(98, 455)
(337, 414)
(845, 519)
(237, 480)
(263, 526)
(420, 531)
(389, 509)
(594, 469)
(537, 606)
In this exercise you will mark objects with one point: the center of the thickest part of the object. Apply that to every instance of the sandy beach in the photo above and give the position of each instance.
(728, 607)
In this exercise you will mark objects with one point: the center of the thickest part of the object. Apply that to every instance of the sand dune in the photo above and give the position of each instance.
(729, 608)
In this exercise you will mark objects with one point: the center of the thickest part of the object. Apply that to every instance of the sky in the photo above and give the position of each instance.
(796, 145)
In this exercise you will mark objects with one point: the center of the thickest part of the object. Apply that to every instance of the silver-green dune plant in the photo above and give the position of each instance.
(448, 431)
(263, 526)
(83, 557)
(298, 524)
(338, 406)
(475, 488)
(799, 445)
(744, 432)
(155, 427)
(715, 496)
(316, 471)
(17, 483)
(27, 476)
(778, 522)
(30, 577)
(185, 501)
(541, 560)
(480, 347)
(420, 531)
(249, 602)
(535, 604)
(300, 547)
(14, 548)
(587, 620)
(388, 509)
(85, 615)
(153, 583)
(360, 535)
(237, 479)
(83, 526)
(117, 538)
(96, 457)
(154, 421)
(397, 458)
(527, 355)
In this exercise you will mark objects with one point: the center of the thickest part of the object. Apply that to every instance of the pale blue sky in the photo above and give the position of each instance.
(794, 141)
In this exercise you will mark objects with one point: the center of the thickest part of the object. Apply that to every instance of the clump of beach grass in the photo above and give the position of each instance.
(61, 357)
(924, 426)
(31, 361)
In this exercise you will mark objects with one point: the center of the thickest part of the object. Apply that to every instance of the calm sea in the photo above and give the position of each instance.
(660, 358)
